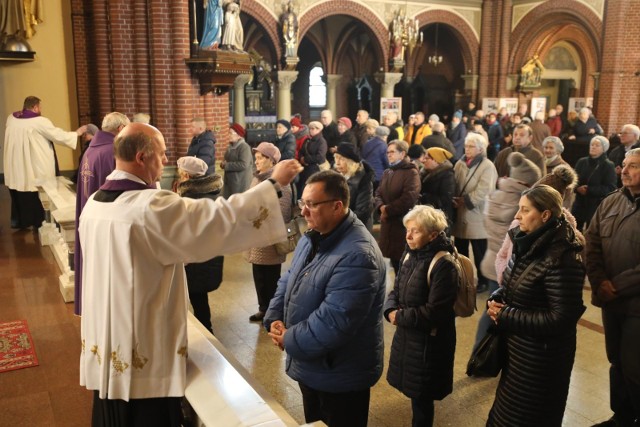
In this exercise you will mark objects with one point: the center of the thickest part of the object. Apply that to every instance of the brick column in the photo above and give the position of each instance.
(617, 102)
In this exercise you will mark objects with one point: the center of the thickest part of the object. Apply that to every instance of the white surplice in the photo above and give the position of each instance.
(28, 154)
(134, 306)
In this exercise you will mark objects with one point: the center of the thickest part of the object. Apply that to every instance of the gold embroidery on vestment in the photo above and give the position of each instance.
(263, 213)
(138, 361)
(182, 351)
(119, 365)
(96, 353)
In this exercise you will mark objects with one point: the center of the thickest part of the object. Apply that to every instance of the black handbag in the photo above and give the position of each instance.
(488, 359)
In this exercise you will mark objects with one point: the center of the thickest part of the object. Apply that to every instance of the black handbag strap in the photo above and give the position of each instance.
(465, 184)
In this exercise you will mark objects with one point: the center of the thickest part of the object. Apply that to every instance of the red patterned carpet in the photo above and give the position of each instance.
(16, 346)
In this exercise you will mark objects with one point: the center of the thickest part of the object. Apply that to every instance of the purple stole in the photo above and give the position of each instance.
(125, 185)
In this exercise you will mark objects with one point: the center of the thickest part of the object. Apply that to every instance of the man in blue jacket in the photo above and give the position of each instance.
(327, 311)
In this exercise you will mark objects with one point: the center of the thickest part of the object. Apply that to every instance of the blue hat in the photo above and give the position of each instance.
(458, 114)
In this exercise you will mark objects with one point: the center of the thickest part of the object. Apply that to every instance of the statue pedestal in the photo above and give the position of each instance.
(216, 70)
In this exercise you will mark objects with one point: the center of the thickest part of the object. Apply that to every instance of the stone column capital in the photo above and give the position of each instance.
(241, 80)
(286, 79)
(388, 79)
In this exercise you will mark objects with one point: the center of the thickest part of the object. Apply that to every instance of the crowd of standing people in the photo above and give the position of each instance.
(533, 216)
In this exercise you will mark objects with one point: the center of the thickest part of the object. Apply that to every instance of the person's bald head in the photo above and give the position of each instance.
(140, 149)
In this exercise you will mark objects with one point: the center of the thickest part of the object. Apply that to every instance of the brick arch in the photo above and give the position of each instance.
(466, 37)
(267, 20)
(355, 10)
(541, 25)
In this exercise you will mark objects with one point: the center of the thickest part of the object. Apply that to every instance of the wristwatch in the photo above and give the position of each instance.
(276, 186)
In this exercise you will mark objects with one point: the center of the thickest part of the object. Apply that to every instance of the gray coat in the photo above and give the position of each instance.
(474, 184)
(238, 168)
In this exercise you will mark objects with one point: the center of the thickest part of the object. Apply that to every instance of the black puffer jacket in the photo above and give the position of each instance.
(599, 175)
(361, 192)
(205, 276)
(422, 352)
(539, 323)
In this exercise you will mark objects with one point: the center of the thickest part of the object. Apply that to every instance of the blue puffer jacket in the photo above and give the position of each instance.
(332, 309)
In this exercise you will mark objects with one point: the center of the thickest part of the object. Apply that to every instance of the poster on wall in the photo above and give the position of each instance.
(390, 105)
(575, 104)
(490, 105)
(511, 104)
(537, 105)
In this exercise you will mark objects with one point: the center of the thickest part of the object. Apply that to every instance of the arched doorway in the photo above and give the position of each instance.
(349, 52)
(438, 85)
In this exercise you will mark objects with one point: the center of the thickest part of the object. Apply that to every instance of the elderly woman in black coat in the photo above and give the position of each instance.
(537, 309)
(423, 348)
(438, 182)
(360, 177)
(596, 178)
(202, 277)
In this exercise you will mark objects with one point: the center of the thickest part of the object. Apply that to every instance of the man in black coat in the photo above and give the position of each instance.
(629, 139)
(330, 133)
(438, 139)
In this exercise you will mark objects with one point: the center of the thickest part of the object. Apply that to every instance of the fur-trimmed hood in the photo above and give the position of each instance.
(201, 185)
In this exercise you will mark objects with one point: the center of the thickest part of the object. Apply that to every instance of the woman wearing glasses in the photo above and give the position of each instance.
(398, 192)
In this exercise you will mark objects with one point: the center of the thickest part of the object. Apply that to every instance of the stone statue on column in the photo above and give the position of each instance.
(290, 30)
(289, 23)
(232, 31)
(212, 31)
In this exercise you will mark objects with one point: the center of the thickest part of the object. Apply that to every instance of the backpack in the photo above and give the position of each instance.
(465, 303)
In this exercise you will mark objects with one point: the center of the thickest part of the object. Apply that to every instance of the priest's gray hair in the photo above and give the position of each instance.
(126, 147)
(112, 122)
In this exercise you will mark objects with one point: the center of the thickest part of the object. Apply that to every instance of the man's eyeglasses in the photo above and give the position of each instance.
(312, 205)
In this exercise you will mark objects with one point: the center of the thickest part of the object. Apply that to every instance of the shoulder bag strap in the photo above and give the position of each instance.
(465, 184)
(433, 262)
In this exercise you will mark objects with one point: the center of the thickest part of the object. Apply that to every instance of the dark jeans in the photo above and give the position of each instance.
(479, 247)
(422, 412)
(485, 321)
(157, 412)
(349, 409)
(621, 334)
(266, 279)
(202, 311)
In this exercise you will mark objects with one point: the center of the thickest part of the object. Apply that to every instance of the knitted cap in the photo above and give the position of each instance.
(237, 128)
(193, 165)
(345, 121)
(284, 123)
(439, 154)
(561, 178)
(523, 170)
(296, 122)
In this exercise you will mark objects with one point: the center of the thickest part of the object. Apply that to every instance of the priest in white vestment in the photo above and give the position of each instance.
(135, 241)
(28, 157)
